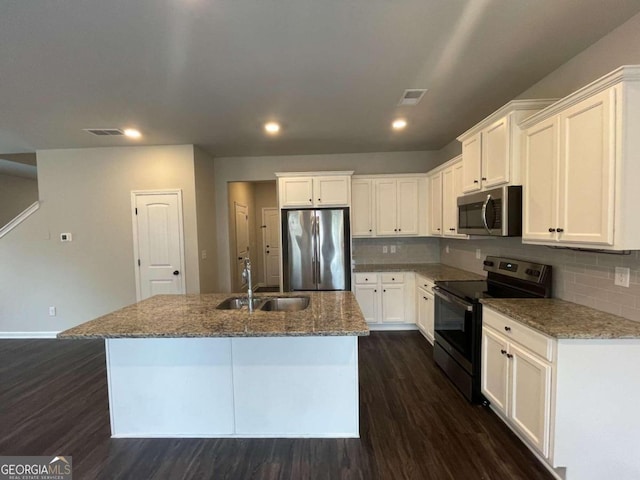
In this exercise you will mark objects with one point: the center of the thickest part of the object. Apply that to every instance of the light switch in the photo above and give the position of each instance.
(622, 277)
(385, 249)
(393, 249)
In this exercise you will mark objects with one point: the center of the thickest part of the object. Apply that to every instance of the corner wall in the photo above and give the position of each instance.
(87, 192)
(204, 171)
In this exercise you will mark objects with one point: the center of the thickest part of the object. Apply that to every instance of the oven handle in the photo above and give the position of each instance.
(484, 213)
(451, 299)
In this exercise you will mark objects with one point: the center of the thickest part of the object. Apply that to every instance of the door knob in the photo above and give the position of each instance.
(176, 272)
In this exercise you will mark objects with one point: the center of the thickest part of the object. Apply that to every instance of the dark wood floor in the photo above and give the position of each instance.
(414, 425)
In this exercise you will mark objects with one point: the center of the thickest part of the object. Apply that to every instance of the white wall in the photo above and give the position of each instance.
(87, 192)
(263, 168)
(16, 194)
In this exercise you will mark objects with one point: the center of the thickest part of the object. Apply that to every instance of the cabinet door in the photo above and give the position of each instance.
(393, 303)
(408, 208)
(495, 369)
(435, 196)
(368, 298)
(587, 161)
(540, 192)
(362, 208)
(471, 162)
(449, 204)
(530, 395)
(386, 207)
(495, 153)
(331, 190)
(296, 192)
(429, 316)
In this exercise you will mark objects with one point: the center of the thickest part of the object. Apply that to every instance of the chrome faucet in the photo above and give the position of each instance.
(246, 276)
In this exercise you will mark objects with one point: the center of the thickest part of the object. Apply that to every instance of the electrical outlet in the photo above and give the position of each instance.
(478, 254)
(385, 249)
(52, 311)
(446, 249)
(622, 277)
(65, 237)
(393, 249)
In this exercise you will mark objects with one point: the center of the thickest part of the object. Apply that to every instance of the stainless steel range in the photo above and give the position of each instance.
(458, 315)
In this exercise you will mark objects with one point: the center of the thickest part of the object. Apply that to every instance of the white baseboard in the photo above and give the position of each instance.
(28, 334)
(392, 326)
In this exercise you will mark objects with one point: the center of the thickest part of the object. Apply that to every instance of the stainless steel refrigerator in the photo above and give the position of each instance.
(315, 249)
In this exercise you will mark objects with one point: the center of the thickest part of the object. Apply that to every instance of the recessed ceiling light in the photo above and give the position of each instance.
(272, 128)
(132, 133)
(399, 124)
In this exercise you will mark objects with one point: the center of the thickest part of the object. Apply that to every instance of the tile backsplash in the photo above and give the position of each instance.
(586, 278)
(408, 250)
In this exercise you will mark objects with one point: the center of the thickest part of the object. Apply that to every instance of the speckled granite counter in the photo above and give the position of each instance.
(434, 271)
(565, 320)
(177, 316)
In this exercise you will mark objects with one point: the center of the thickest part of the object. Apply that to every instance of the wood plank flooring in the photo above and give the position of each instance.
(414, 424)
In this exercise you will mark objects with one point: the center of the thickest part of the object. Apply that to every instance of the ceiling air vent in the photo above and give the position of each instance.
(102, 132)
(412, 96)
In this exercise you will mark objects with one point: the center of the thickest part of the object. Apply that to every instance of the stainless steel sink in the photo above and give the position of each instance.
(236, 303)
(285, 304)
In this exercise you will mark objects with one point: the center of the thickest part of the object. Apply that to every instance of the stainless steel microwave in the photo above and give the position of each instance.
(496, 212)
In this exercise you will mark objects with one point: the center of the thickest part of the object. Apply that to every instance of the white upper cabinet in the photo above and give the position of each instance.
(435, 197)
(445, 186)
(314, 189)
(491, 149)
(362, 207)
(581, 170)
(389, 205)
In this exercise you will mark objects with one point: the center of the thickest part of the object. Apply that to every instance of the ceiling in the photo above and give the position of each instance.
(331, 71)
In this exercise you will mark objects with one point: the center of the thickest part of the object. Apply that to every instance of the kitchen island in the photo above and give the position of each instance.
(179, 367)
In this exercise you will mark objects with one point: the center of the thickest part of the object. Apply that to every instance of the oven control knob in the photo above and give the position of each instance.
(488, 263)
(533, 273)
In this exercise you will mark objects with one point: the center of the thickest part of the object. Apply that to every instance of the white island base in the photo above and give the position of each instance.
(233, 387)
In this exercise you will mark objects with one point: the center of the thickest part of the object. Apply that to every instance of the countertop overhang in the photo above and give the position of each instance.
(196, 316)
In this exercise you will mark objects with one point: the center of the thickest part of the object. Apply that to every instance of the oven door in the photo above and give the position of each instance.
(454, 327)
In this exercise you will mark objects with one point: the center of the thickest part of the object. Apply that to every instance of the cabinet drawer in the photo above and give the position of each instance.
(536, 342)
(364, 278)
(424, 282)
(393, 277)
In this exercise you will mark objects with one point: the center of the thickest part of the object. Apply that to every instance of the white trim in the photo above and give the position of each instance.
(512, 106)
(134, 223)
(29, 334)
(390, 327)
(313, 173)
(625, 73)
(383, 176)
(26, 213)
(275, 435)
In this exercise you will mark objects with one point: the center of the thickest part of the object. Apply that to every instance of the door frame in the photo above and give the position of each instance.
(134, 222)
(264, 249)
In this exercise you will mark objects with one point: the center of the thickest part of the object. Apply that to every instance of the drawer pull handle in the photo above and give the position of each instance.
(503, 351)
(509, 355)
(507, 329)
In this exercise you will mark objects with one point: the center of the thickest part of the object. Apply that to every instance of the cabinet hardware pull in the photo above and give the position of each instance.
(311, 200)
(369, 229)
(395, 229)
(475, 181)
(509, 355)
(319, 200)
(503, 352)
(393, 279)
(399, 229)
(384, 291)
(551, 230)
(366, 279)
(484, 179)
(375, 291)
(425, 298)
(560, 230)
(507, 329)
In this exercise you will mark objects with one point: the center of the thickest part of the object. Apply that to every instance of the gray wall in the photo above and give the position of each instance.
(204, 172)
(16, 194)
(408, 250)
(263, 168)
(87, 192)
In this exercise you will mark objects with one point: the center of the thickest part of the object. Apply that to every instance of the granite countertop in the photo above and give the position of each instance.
(565, 320)
(434, 271)
(176, 316)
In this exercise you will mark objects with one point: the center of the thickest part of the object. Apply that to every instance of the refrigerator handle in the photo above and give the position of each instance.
(314, 257)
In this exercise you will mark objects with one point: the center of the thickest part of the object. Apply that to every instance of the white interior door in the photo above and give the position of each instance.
(158, 243)
(242, 241)
(271, 246)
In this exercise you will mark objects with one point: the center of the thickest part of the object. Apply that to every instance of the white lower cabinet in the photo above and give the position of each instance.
(425, 307)
(386, 297)
(516, 378)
